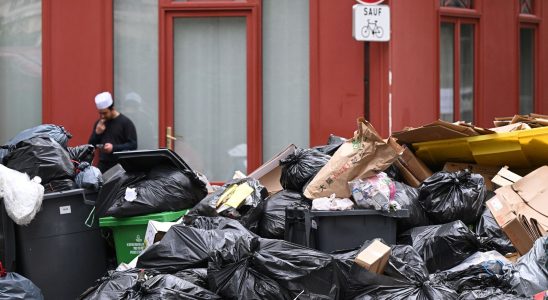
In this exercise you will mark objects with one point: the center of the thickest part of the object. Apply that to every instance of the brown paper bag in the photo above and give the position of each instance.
(365, 155)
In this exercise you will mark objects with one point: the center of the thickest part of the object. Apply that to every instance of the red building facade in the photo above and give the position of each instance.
(474, 60)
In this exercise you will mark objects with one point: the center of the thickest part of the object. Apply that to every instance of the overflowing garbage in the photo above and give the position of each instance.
(358, 218)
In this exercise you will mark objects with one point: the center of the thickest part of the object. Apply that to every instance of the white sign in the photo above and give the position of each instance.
(371, 23)
(63, 210)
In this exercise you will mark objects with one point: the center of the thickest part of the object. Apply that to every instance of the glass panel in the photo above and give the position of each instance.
(527, 71)
(136, 66)
(210, 94)
(285, 75)
(447, 81)
(526, 6)
(467, 72)
(20, 66)
(456, 3)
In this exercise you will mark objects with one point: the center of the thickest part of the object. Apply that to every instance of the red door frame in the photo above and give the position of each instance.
(251, 10)
(459, 16)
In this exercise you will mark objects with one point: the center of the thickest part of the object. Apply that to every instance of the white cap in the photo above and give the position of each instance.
(103, 100)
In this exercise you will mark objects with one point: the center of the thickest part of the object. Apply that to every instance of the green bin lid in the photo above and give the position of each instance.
(167, 216)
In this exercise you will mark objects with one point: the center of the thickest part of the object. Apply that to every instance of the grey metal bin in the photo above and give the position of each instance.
(57, 251)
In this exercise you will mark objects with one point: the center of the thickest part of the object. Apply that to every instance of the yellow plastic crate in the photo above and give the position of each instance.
(518, 149)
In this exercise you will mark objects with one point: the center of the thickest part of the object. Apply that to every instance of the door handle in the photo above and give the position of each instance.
(169, 137)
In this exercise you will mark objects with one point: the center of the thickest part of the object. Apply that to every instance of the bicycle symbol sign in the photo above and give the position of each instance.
(371, 23)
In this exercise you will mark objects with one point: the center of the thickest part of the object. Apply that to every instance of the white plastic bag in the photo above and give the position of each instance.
(22, 196)
(332, 203)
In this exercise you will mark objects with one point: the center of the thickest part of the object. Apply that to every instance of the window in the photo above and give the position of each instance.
(527, 70)
(456, 3)
(457, 68)
(136, 66)
(526, 7)
(20, 66)
(285, 85)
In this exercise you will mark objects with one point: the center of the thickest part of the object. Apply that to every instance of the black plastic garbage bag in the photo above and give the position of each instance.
(298, 168)
(481, 270)
(164, 189)
(114, 286)
(140, 285)
(82, 153)
(232, 277)
(532, 270)
(196, 276)
(491, 235)
(16, 287)
(333, 144)
(452, 196)
(489, 293)
(408, 198)
(89, 177)
(441, 246)
(189, 246)
(249, 213)
(41, 156)
(272, 224)
(59, 185)
(57, 133)
(405, 277)
(268, 265)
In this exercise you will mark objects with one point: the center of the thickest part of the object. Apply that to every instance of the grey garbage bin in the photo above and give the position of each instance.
(57, 251)
(7, 240)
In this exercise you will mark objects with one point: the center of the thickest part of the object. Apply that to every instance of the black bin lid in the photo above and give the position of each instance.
(144, 160)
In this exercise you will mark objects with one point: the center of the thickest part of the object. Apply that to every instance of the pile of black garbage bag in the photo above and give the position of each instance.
(450, 247)
(43, 151)
(218, 258)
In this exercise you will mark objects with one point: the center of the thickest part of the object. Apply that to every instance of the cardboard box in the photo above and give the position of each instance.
(510, 224)
(270, 172)
(521, 209)
(413, 170)
(487, 172)
(374, 257)
(156, 231)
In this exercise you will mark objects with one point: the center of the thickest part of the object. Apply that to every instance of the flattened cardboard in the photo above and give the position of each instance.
(426, 134)
(374, 258)
(510, 224)
(487, 172)
(269, 173)
(415, 165)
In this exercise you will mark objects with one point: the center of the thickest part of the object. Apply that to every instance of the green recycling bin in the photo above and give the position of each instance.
(129, 233)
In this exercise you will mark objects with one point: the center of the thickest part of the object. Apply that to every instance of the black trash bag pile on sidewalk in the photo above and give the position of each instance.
(405, 277)
(442, 246)
(15, 286)
(272, 223)
(189, 246)
(452, 196)
(248, 211)
(41, 156)
(137, 284)
(42, 151)
(298, 168)
(479, 271)
(163, 188)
